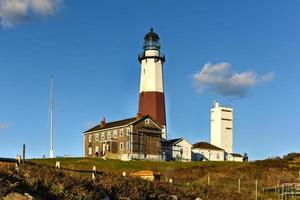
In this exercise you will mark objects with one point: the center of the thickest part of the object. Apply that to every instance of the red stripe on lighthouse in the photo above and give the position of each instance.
(153, 104)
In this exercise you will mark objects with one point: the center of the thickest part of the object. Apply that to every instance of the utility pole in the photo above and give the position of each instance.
(24, 152)
(51, 120)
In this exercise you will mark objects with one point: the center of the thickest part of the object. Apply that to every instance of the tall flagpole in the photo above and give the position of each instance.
(51, 120)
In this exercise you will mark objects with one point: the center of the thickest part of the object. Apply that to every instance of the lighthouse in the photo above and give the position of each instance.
(151, 97)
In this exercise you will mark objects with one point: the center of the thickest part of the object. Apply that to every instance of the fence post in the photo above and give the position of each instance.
(208, 179)
(18, 157)
(57, 164)
(17, 167)
(239, 185)
(282, 191)
(256, 192)
(94, 173)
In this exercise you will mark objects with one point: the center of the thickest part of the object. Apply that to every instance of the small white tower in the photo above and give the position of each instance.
(221, 127)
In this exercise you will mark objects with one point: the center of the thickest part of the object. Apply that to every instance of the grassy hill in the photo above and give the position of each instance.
(130, 166)
(190, 180)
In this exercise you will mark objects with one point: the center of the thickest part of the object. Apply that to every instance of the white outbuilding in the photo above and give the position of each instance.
(177, 150)
(203, 151)
(234, 157)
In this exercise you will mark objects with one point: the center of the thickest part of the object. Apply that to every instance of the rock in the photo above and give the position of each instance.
(4, 188)
(198, 198)
(17, 196)
(173, 197)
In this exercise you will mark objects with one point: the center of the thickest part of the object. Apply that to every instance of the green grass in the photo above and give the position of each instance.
(129, 166)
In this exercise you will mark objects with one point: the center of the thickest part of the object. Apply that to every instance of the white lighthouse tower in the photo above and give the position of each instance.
(151, 99)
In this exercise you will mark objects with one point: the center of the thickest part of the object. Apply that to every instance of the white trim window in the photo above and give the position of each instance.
(90, 151)
(128, 144)
(102, 135)
(115, 134)
(96, 149)
(97, 137)
(108, 135)
(128, 131)
(91, 138)
(121, 133)
(121, 145)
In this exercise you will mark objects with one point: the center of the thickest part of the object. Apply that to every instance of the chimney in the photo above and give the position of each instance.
(103, 122)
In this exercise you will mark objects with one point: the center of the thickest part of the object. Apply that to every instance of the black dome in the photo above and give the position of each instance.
(151, 36)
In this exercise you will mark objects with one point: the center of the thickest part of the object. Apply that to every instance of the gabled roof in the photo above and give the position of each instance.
(175, 141)
(112, 124)
(123, 122)
(236, 155)
(205, 145)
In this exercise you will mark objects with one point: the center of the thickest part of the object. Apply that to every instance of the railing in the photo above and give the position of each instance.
(142, 56)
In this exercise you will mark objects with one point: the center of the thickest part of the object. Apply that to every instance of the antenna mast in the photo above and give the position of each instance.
(51, 120)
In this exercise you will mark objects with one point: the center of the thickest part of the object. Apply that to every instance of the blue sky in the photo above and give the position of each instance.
(91, 48)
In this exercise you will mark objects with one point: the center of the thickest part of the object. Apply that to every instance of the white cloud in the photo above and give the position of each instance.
(13, 12)
(268, 77)
(4, 125)
(220, 79)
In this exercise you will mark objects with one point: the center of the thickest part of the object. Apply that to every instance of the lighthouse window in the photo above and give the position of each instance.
(144, 71)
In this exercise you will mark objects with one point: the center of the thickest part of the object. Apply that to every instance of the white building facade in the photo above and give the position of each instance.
(203, 151)
(222, 127)
(177, 150)
(234, 157)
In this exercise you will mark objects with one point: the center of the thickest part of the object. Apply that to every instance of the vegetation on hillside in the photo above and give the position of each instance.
(190, 180)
